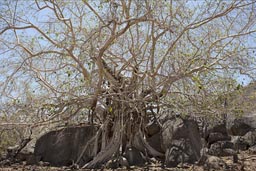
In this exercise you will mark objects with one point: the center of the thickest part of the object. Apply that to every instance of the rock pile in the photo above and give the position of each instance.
(178, 139)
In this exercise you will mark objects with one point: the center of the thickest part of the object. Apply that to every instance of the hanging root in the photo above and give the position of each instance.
(93, 139)
(142, 144)
(106, 154)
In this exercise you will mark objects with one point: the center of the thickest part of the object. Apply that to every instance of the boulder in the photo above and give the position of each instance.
(152, 128)
(63, 147)
(220, 149)
(246, 141)
(181, 141)
(153, 136)
(218, 127)
(240, 126)
(155, 142)
(250, 138)
(180, 152)
(134, 157)
(216, 136)
(240, 143)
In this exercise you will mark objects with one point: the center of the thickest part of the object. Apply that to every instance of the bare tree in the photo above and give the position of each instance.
(128, 59)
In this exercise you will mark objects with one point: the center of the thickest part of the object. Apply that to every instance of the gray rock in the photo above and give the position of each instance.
(155, 142)
(117, 163)
(214, 162)
(216, 136)
(217, 127)
(134, 157)
(240, 143)
(250, 138)
(152, 128)
(222, 148)
(240, 126)
(63, 147)
(246, 141)
(252, 150)
(226, 144)
(180, 152)
(181, 141)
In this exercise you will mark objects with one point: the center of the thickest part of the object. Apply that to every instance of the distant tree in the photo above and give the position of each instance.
(128, 59)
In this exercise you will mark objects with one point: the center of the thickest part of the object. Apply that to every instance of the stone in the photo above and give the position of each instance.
(216, 127)
(252, 150)
(217, 136)
(181, 141)
(226, 144)
(250, 138)
(170, 130)
(134, 157)
(152, 128)
(155, 142)
(239, 126)
(222, 148)
(180, 152)
(240, 143)
(123, 162)
(177, 128)
(120, 162)
(228, 152)
(63, 147)
(214, 162)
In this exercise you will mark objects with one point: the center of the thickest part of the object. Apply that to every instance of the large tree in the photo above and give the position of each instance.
(121, 63)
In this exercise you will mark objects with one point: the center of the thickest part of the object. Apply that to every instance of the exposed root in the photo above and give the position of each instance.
(93, 139)
(106, 154)
(142, 144)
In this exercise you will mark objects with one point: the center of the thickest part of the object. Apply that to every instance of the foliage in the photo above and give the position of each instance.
(120, 62)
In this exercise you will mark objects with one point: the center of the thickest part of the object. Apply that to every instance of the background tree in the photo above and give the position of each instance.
(120, 63)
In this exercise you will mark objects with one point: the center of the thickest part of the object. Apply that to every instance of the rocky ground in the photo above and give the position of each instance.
(247, 162)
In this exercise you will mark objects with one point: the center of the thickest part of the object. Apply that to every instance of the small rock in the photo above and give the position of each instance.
(228, 152)
(123, 162)
(6, 162)
(214, 162)
(41, 163)
(252, 150)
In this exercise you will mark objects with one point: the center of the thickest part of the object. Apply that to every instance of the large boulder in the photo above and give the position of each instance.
(239, 126)
(154, 136)
(181, 141)
(180, 151)
(155, 142)
(63, 147)
(214, 127)
(246, 141)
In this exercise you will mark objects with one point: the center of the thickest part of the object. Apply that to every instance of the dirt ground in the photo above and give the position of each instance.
(247, 162)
